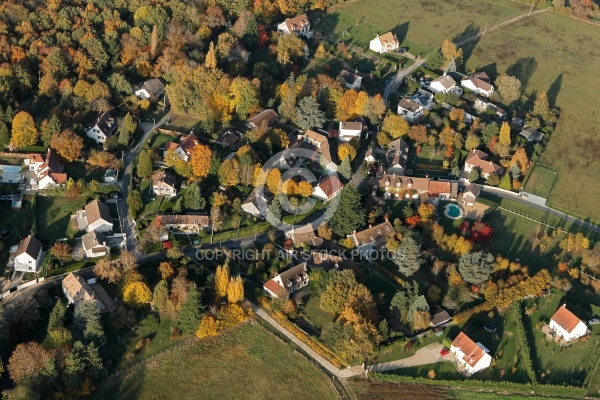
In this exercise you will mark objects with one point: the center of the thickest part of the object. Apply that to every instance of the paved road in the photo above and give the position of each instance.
(427, 355)
(400, 75)
(532, 203)
(129, 225)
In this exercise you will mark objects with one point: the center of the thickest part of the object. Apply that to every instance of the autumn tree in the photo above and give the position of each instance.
(103, 159)
(228, 172)
(68, 144)
(126, 130)
(160, 296)
(395, 125)
(473, 141)
(137, 294)
(346, 150)
(210, 61)
(145, 165)
(27, 362)
(505, 134)
(418, 133)
(24, 132)
(61, 251)
(273, 181)
(235, 290)
(509, 87)
(200, 161)
(134, 201)
(222, 280)
(289, 48)
(541, 107)
(209, 326)
(451, 52)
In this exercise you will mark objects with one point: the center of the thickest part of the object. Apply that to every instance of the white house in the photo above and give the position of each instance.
(471, 356)
(479, 160)
(373, 155)
(110, 176)
(104, 126)
(470, 194)
(163, 184)
(300, 25)
(76, 289)
(304, 235)
(48, 169)
(152, 90)
(350, 80)
(409, 110)
(27, 256)
(442, 84)
(566, 325)
(94, 244)
(183, 149)
(98, 217)
(384, 43)
(397, 157)
(350, 130)
(479, 83)
(287, 282)
(327, 188)
(255, 204)
(264, 119)
(187, 223)
(423, 98)
(372, 238)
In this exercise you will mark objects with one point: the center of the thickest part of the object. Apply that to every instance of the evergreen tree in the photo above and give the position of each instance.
(57, 316)
(178, 207)
(489, 132)
(87, 324)
(192, 200)
(145, 165)
(191, 312)
(350, 214)
(274, 212)
(477, 267)
(49, 128)
(345, 168)
(4, 135)
(160, 295)
(408, 257)
(505, 182)
(126, 130)
(308, 113)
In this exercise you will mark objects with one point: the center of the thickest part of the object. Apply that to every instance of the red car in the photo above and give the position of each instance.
(444, 352)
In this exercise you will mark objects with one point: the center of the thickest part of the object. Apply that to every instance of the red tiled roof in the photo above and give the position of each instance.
(275, 287)
(472, 351)
(566, 319)
(330, 185)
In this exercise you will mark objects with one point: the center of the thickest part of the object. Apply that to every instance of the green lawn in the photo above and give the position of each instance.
(540, 181)
(247, 362)
(79, 170)
(184, 123)
(54, 215)
(11, 160)
(160, 140)
(317, 317)
(554, 364)
(17, 222)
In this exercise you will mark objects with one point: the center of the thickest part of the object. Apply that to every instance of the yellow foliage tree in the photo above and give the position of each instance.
(200, 160)
(361, 106)
(505, 134)
(24, 132)
(211, 57)
(137, 294)
(520, 158)
(166, 270)
(235, 314)
(222, 280)
(426, 211)
(346, 150)
(395, 125)
(273, 180)
(450, 51)
(208, 327)
(235, 290)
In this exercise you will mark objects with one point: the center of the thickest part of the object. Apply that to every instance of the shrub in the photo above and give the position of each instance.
(526, 350)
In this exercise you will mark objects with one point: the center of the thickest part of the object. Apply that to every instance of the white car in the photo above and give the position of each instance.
(594, 321)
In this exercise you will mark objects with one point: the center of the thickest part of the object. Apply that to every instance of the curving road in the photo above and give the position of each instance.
(399, 77)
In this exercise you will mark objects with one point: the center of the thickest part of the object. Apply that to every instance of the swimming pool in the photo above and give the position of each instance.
(453, 211)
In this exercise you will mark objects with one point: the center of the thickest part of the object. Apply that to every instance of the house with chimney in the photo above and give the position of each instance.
(566, 325)
(470, 356)
(400, 187)
(327, 187)
(423, 98)
(104, 126)
(469, 196)
(321, 142)
(256, 203)
(163, 184)
(304, 235)
(350, 130)
(299, 25)
(187, 223)
(480, 83)
(384, 43)
(477, 159)
(443, 190)
(95, 244)
(288, 282)
(77, 289)
(372, 238)
(27, 256)
(397, 157)
(183, 149)
(409, 110)
(48, 170)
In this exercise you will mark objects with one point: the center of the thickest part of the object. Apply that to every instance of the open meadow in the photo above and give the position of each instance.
(548, 53)
(247, 362)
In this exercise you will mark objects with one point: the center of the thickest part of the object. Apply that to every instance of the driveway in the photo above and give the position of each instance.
(427, 355)
(399, 77)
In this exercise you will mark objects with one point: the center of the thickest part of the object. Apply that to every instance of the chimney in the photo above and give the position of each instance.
(370, 226)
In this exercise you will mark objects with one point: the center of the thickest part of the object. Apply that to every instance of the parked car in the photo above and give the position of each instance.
(444, 352)
(594, 321)
(490, 327)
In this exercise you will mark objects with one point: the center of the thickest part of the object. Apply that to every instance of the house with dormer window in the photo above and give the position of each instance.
(372, 238)
(288, 282)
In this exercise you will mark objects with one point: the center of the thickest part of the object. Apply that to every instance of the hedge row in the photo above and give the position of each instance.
(300, 334)
(524, 388)
(595, 360)
(34, 214)
(526, 349)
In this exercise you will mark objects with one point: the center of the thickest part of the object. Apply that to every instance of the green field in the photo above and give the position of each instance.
(53, 216)
(160, 140)
(540, 51)
(247, 363)
(317, 317)
(540, 181)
